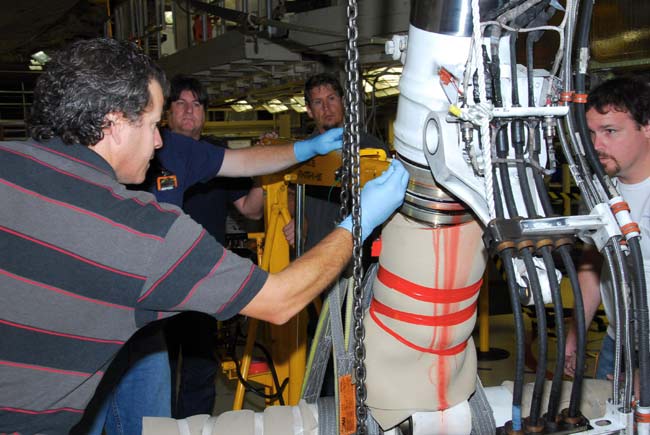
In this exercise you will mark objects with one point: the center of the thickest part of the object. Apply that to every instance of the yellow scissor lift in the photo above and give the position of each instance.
(289, 341)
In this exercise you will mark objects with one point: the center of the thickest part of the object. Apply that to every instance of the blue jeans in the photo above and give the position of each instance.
(605, 364)
(137, 384)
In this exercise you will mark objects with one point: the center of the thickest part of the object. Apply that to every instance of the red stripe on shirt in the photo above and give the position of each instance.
(44, 411)
(66, 156)
(198, 284)
(46, 369)
(61, 334)
(64, 292)
(70, 254)
(82, 211)
(153, 204)
(239, 290)
(171, 269)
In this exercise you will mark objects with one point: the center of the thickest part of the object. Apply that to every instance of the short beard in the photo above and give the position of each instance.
(613, 172)
(326, 127)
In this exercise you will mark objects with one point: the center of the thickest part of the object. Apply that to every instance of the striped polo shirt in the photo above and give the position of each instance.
(84, 263)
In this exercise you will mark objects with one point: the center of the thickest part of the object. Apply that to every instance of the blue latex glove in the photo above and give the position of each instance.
(322, 144)
(379, 198)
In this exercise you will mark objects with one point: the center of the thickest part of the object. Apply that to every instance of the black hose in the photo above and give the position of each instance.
(517, 135)
(542, 18)
(520, 351)
(504, 175)
(556, 384)
(582, 42)
(641, 319)
(495, 73)
(579, 310)
(498, 204)
(542, 193)
(540, 312)
(514, 91)
(502, 152)
(507, 189)
(513, 290)
(530, 67)
(581, 331)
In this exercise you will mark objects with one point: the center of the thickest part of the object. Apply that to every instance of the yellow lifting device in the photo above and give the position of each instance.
(289, 341)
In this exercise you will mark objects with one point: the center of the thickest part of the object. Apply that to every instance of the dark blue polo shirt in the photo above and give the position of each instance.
(189, 160)
(194, 164)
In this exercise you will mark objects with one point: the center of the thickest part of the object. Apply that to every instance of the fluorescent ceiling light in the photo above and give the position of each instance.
(298, 108)
(297, 103)
(241, 106)
(274, 106)
(41, 57)
(384, 81)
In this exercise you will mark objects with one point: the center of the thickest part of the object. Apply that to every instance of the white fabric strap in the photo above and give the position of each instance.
(259, 423)
(208, 426)
(297, 421)
(183, 427)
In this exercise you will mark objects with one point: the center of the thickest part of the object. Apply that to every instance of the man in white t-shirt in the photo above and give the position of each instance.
(618, 116)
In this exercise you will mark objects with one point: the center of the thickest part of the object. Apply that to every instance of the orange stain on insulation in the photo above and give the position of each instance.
(446, 247)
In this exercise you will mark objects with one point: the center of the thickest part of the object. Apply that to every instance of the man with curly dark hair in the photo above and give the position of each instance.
(618, 117)
(86, 262)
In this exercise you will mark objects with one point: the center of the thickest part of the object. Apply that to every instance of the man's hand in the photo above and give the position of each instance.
(264, 137)
(289, 231)
(379, 198)
(570, 349)
(320, 145)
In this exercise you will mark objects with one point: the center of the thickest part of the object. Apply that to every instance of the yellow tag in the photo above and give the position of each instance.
(347, 406)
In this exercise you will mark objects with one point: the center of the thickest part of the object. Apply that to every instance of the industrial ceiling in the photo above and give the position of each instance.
(243, 58)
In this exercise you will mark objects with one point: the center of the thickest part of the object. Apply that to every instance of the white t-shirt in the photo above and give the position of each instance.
(638, 198)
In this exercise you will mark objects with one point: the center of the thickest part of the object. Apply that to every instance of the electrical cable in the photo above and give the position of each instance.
(641, 320)
(579, 172)
(279, 387)
(618, 324)
(231, 351)
(623, 311)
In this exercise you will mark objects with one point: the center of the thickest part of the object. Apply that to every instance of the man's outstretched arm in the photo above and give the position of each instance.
(262, 160)
(287, 292)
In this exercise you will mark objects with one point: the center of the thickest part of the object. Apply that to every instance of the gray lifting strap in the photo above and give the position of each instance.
(330, 335)
(482, 417)
(327, 421)
(321, 346)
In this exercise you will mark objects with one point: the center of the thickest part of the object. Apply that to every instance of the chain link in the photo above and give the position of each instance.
(351, 154)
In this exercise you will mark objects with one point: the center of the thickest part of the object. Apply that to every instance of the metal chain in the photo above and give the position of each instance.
(352, 145)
